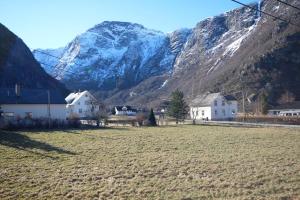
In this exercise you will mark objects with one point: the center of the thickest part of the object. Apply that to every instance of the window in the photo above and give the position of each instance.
(78, 103)
(203, 112)
(86, 102)
(216, 102)
(216, 112)
(223, 111)
(223, 103)
(233, 111)
(80, 110)
(197, 113)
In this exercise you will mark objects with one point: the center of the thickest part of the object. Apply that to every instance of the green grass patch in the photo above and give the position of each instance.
(184, 162)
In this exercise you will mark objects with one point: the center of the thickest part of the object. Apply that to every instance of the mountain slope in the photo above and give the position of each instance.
(17, 65)
(111, 55)
(238, 50)
(235, 51)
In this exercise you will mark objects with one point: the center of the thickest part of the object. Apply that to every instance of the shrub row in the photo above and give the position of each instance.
(270, 119)
(37, 123)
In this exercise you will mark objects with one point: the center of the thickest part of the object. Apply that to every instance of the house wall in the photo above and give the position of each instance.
(57, 111)
(284, 112)
(82, 107)
(201, 113)
(123, 112)
(215, 112)
(222, 111)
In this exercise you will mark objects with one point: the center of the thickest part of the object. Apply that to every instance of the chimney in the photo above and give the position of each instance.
(18, 90)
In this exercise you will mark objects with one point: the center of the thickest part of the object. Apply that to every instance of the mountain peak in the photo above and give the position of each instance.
(116, 26)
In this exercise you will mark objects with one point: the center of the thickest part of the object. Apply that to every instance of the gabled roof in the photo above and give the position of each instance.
(205, 99)
(30, 96)
(291, 105)
(73, 97)
(208, 99)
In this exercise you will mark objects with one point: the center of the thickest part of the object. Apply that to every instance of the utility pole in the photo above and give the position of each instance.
(193, 85)
(49, 113)
(243, 94)
(244, 114)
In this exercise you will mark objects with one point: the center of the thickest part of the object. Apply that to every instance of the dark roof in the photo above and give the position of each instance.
(208, 98)
(129, 108)
(292, 105)
(230, 98)
(205, 99)
(30, 96)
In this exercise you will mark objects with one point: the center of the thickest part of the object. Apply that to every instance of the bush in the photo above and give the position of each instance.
(140, 119)
(37, 123)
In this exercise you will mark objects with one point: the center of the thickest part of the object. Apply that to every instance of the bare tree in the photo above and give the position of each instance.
(99, 113)
(286, 97)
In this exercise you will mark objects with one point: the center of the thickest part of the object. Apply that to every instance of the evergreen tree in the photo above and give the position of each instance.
(264, 104)
(178, 107)
(151, 118)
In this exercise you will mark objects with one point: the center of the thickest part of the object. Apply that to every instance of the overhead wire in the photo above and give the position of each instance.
(283, 2)
(266, 13)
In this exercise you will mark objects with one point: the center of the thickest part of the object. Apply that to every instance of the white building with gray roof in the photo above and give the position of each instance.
(81, 104)
(213, 106)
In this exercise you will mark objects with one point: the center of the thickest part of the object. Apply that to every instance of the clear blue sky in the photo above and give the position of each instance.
(54, 23)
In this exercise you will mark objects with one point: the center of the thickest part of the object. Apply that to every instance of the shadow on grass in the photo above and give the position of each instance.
(74, 130)
(23, 142)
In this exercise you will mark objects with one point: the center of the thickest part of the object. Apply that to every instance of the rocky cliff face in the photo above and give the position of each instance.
(17, 65)
(112, 55)
(237, 50)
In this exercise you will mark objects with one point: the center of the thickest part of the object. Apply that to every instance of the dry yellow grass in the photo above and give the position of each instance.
(184, 162)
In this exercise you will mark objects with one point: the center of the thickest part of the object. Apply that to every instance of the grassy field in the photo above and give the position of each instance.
(184, 162)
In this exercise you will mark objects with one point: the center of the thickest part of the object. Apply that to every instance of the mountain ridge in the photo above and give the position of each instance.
(216, 55)
(18, 65)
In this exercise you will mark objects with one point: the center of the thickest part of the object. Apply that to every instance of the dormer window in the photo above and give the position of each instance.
(124, 108)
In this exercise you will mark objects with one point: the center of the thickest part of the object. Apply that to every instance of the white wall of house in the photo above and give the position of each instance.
(284, 112)
(124, 112)
(201, 113)
(57, 111)
(220, 109)
(82, 107)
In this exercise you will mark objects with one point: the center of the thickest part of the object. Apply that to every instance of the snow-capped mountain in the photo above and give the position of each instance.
(111, 55)
(235, 50)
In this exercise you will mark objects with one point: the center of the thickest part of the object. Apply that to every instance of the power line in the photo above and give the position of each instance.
(258, 10)
(283, 2)
(54, 67)
(57, 57)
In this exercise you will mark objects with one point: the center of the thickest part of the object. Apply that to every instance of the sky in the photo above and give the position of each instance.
(54, 23)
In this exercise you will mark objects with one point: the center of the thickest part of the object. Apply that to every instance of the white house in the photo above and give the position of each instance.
(81, 104)
(213, 106)
(34, 103)
(125, 110)
(288, 109)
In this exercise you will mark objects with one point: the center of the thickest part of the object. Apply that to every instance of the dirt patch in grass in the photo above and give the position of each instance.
(185, 162)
